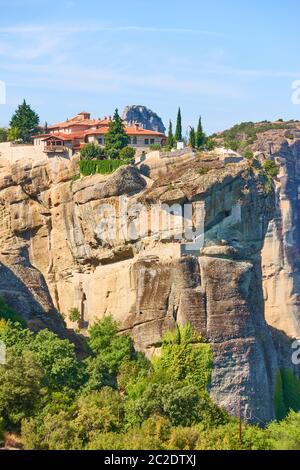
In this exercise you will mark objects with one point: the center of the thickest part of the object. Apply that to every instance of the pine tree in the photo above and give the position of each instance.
(170, 140)
(192, 138)
(26, 120)
(116, 138)
(200, 136)
(178, 133)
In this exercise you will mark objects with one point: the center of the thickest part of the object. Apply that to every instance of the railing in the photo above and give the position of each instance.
(54, 148)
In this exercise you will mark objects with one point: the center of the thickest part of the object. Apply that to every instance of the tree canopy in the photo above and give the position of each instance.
(26, 121)
(178, 132)
(116, 138)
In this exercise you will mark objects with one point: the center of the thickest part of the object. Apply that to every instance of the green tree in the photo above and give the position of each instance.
(3, 135)
(91, 151)
(249, 155)
(13, 134)
(26, 120)
(116, 138)
(271, 168)
(109, 351)
(74, 315)
(20, 387)
(127, 153)
(58, 360)
(286, 434)
(192, 138)
(185, 356)
(99, 411)
(178, 132)
(170, 140)
(200, 136)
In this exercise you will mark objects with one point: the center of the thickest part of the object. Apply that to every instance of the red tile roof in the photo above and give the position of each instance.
(128, 130)
(82, 122)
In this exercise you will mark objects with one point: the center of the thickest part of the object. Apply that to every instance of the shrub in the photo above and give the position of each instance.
(286, 434)
(249, 155)
(74, 315)
(232, 145)
(3, 135)
(104, 167)
(91, 151)
(154, 147)
(210, 144)
(127, 153)
(271, 168)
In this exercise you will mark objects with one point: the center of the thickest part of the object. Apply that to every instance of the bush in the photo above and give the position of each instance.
(154, 147)
(20, 388)
(271, 168)
(232, 145)
(91, 151)
(210, 144)
(127, 153)
(74, 315)
(286, 434)
(3, 135)
(104, 167)
(249, 155)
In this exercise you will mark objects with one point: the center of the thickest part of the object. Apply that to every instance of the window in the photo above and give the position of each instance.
(100, 141)
(146, 141)
(134, 141)
(152, 141)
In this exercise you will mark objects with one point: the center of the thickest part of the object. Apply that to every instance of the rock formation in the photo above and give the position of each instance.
(143, 116)
(281, 253)
(79, 243)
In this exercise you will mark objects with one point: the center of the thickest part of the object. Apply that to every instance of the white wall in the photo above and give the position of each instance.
(140, 141)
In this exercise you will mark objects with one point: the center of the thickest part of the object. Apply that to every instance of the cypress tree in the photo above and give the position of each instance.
(192, 138)
(200, 137)
(170, 140)
(116, 138)
(178, 133)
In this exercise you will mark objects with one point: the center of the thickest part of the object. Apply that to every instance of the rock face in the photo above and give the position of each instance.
(66, 243)
(143, 116)
(281, 253)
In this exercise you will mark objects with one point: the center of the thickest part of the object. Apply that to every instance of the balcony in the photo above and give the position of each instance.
(55, 149)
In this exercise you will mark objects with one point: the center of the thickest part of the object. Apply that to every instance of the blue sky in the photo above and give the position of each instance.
(228, 60)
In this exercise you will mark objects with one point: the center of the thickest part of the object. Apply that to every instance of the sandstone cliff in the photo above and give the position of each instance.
(58, 252)
(281, 253)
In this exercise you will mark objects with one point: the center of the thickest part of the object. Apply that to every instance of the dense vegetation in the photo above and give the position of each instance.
(115, 398)
(242, 135)
(105, 167)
